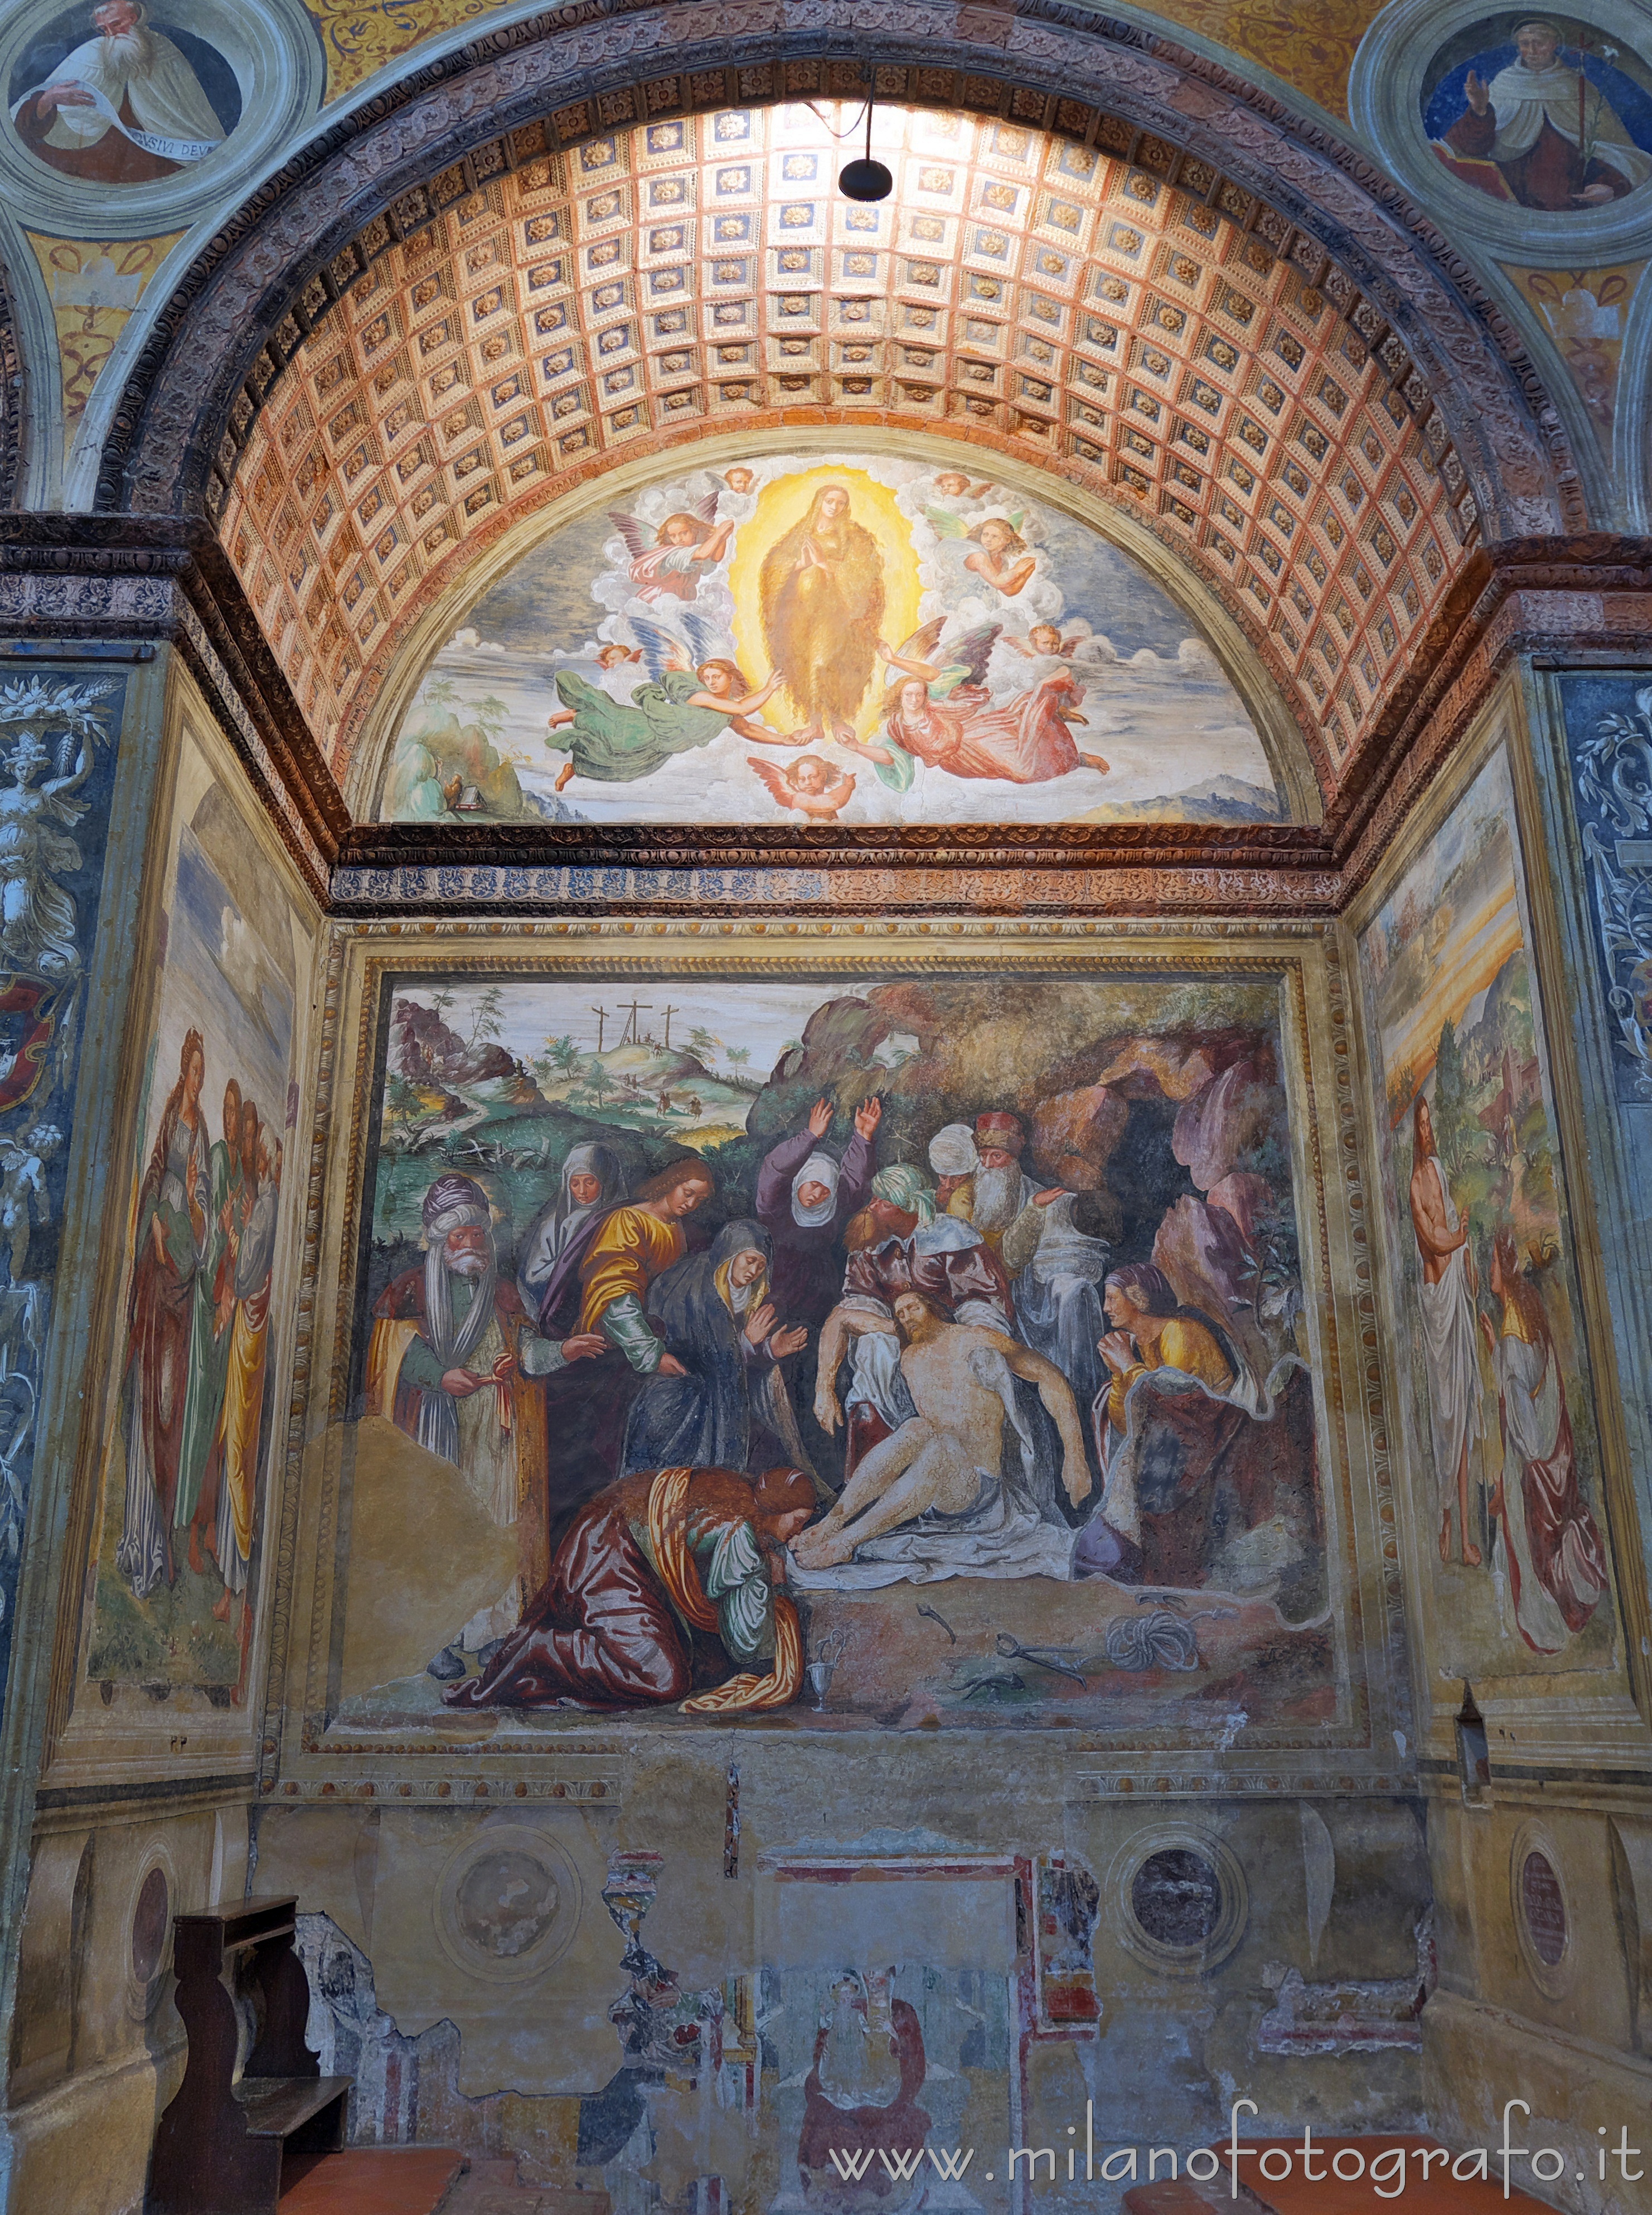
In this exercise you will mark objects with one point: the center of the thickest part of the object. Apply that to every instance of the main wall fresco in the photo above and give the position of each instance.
(823, 638)
(1500, 1406)
(982, 1297)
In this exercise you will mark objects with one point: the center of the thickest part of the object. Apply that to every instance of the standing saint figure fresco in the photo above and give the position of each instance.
(1447, 1294)
(1555, 139)
(822, 598)
(1556, 1563)
(241, 1423)
(209, 1341)
(172, 1203)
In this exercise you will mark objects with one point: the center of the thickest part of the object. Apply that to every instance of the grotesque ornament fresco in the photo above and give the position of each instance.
(57, 752)
(842, 638)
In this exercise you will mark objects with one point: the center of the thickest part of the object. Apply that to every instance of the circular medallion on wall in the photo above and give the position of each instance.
(1532, 129)
(1176, 1899)
(127, 117)
(149, 1929)
(507, 1904)
(1543, 1920)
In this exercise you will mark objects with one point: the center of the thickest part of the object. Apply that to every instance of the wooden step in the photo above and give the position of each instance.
(370, 2181)
(276, 2106)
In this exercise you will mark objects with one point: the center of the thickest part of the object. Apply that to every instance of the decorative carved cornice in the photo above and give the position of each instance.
(11, 399)
(1583, 596)
(98, 576)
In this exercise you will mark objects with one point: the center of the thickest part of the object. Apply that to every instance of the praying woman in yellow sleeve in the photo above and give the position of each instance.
(1153, 1330)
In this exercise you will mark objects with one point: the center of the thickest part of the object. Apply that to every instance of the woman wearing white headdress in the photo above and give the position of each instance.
(805, 1196)
(1556, 140)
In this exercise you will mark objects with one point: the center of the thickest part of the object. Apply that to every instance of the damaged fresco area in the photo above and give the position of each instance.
(899, 1352)
(792, 2086)
(909, 2012)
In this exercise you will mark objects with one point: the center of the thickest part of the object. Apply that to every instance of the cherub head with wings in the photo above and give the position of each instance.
(815, 788)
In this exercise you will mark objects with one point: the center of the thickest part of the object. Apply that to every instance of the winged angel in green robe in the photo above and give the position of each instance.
(683, 706)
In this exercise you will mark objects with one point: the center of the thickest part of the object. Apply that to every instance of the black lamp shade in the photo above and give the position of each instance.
(865, 180)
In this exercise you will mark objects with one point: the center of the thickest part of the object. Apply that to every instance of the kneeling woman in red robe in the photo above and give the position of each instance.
(662, 1577)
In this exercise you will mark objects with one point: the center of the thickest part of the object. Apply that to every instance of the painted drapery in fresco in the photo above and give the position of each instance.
(1499, 1404)
(983, 1295)
(186, 1461)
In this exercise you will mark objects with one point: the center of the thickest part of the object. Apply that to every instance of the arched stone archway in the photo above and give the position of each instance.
(258, 316)
(576, 77)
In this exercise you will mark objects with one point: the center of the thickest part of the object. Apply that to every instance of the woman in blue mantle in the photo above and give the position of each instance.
(730, 1408)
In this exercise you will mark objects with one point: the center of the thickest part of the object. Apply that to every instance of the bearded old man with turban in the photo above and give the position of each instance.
(805, 1196)
(449, 1362)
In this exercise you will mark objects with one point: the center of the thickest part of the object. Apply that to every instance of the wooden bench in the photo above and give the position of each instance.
(243, 2134)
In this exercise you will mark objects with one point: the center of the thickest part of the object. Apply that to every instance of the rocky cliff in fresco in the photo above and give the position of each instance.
(1502, 1439)
(916, 1349)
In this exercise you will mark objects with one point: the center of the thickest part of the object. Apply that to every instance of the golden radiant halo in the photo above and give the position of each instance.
(784, 501)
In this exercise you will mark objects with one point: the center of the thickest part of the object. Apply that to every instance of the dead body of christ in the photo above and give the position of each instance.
(1447, 1297)
(944, 1459)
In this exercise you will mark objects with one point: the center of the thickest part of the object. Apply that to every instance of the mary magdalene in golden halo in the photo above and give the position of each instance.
(822, 596)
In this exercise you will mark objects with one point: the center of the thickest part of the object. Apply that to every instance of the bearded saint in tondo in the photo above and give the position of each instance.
(822, 595)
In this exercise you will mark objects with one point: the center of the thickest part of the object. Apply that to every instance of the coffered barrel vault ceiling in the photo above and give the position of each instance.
(1073, 292)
